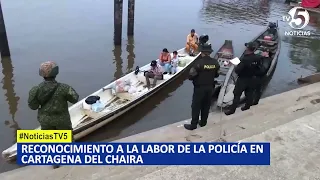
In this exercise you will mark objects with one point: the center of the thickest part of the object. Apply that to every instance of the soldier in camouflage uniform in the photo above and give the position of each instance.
(51, 99)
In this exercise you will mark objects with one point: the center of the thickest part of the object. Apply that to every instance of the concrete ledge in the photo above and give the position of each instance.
(270, 113)
(295, 155)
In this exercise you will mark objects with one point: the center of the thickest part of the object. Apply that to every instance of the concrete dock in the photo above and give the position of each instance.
(290, 121)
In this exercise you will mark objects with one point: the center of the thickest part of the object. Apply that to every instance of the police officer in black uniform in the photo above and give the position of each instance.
(248, 70)
(202, 74)
(259, 80)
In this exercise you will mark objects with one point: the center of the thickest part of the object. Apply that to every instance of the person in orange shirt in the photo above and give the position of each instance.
(192, 42)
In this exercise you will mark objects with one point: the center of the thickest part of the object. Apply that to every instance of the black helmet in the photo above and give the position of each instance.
(203, 39)
(206, 47)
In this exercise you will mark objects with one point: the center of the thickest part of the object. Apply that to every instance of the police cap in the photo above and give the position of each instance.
(206, 47)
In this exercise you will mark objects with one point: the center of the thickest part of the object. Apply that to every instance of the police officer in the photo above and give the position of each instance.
(202, 74)
(248, 70)
(51, 99)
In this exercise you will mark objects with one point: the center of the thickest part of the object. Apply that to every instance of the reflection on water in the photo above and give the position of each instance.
(117, 52)
(231, 11)
(11, 97)
(305, 50)
(314, 20)
(131, 55)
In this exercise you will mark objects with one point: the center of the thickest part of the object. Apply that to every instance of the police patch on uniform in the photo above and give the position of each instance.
(209, 66)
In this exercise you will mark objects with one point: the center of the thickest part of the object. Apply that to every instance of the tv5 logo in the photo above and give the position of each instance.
(61, 136)
(298, 18)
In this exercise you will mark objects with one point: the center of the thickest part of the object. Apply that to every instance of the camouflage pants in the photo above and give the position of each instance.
(57, 126)
(62, 125)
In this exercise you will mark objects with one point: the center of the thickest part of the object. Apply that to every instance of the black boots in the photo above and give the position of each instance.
(232, 111)
(244, 108)
(202, 124)
(192, 127)
(229, 112)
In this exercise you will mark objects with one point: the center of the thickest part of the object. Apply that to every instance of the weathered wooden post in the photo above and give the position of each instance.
(4, 46)
(8, 85)
(12, 98)
(131, 55)
(130, 30)
(117, 52)
(118, 6)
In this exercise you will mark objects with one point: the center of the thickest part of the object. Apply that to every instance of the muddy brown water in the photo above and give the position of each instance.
(79, 37)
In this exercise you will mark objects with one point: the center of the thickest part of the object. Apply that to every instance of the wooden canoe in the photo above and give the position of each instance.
(223, 55)
(85, 121)
(225, 97)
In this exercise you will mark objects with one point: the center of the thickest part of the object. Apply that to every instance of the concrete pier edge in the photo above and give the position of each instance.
(290, 121)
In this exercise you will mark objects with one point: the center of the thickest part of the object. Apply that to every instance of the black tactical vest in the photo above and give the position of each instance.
(253, 66)
(207, 69)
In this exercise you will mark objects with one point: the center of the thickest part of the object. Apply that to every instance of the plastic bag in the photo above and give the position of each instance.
(126, 88)
(97, 107)
(132, 90)
(86, 106)
(182, 63)
(133, 81)
(119, 86)
(127, 82)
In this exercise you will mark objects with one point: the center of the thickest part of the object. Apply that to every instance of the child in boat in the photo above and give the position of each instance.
(174, 62)
(165, 60)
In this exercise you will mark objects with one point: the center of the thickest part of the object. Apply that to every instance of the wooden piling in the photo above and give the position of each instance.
(4, 46)
(118, 6)
(131, 55)
(117, 53)
(130, 30)
(11, 96)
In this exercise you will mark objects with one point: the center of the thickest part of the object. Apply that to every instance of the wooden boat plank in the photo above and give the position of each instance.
(224, 56)
(267, 41)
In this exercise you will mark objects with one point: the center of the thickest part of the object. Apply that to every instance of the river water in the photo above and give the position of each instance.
(78, 35)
